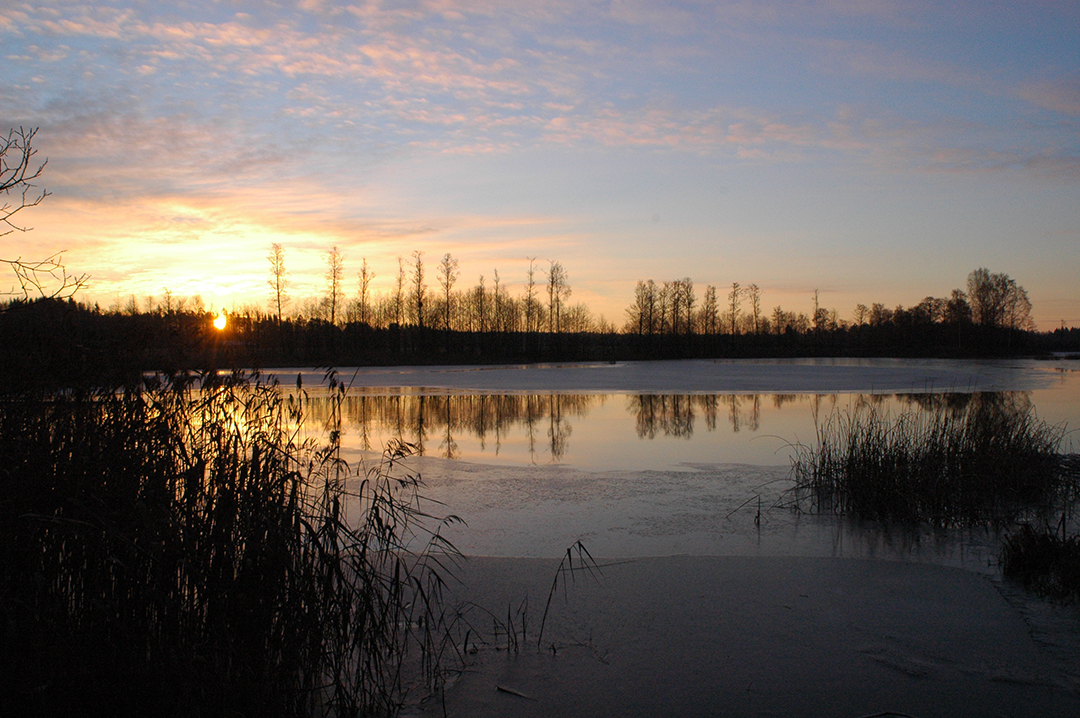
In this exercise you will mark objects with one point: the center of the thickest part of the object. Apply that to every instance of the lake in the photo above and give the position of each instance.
(661, 458)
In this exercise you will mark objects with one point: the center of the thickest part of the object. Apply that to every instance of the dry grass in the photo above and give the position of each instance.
(983, 463)
(172, 552)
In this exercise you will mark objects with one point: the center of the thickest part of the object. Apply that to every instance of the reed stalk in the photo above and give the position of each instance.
(175, 552)
(983, 463)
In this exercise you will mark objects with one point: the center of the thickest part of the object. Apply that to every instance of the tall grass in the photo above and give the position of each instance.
(1046, 558)
(982, 463)
(171, 552)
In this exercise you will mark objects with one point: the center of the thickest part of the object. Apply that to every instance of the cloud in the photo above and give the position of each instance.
(1060, 95)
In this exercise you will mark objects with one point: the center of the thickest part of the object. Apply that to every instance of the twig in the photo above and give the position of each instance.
(513, 692)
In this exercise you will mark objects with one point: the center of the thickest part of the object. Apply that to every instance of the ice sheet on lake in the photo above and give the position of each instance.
(719, 376)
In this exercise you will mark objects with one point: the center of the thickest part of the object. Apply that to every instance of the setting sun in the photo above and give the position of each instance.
(220, 321)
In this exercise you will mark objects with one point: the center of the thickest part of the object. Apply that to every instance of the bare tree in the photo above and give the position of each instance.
(419, 288)
(480, 309)
(957, 310)
(637, 313)
(664, 297)
(335, 272)
(998, 301)
(399, 292)
(710, 312)
(688, 300)
(880, 314)
(17, 172)
(46, 278)
(532, 315)
(279, 279)
(733, 305)
(779, 317)
(497, 323)
(558, 290)
(929, 311)
(448, 274)
(652, 308)
(753, 293)
(365, 276)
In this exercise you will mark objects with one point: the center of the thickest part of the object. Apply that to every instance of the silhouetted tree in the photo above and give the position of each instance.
(687, 299)
(17, 173)
(997, 301)
(753, 293)
(558, 291)
(637, 313)
(710, 312)
(821, 315)
(930, 310)
(399, 292)
(335, 272)
(365, 277)
(448, 274)
(279, 279)
(419, 288)
(957, 310)
(479, 306)
(733, 307)
(880, 314)
(532, 306)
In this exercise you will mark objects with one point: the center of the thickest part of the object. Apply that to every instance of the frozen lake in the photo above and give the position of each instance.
(660, 458)
(660, 416)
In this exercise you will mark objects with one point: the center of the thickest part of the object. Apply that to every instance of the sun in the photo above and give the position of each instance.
(220, 321)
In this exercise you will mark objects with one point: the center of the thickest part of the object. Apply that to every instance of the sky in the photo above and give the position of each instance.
(872, 150)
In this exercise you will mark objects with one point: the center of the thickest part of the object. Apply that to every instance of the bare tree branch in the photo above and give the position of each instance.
(46, 278)
(16, 174)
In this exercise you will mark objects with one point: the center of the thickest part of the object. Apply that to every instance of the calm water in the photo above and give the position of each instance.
(639, 431)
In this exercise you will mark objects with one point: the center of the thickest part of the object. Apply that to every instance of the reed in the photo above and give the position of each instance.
(1046, 558)
(172, 552)
(1044, 561)
(983, 463)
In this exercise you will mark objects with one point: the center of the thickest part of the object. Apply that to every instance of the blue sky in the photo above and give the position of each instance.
(876, 151)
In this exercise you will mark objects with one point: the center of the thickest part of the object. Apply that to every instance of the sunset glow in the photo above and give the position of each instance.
(873, 151)
(220, 321)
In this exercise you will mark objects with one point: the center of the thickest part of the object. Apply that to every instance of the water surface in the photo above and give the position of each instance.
(664, 415)
(661, 458)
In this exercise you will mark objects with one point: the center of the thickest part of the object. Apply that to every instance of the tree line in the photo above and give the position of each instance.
(487, 306)
(64, 341)
(993, 301)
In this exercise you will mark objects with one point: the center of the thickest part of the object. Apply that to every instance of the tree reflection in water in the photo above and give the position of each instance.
(420, 418)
